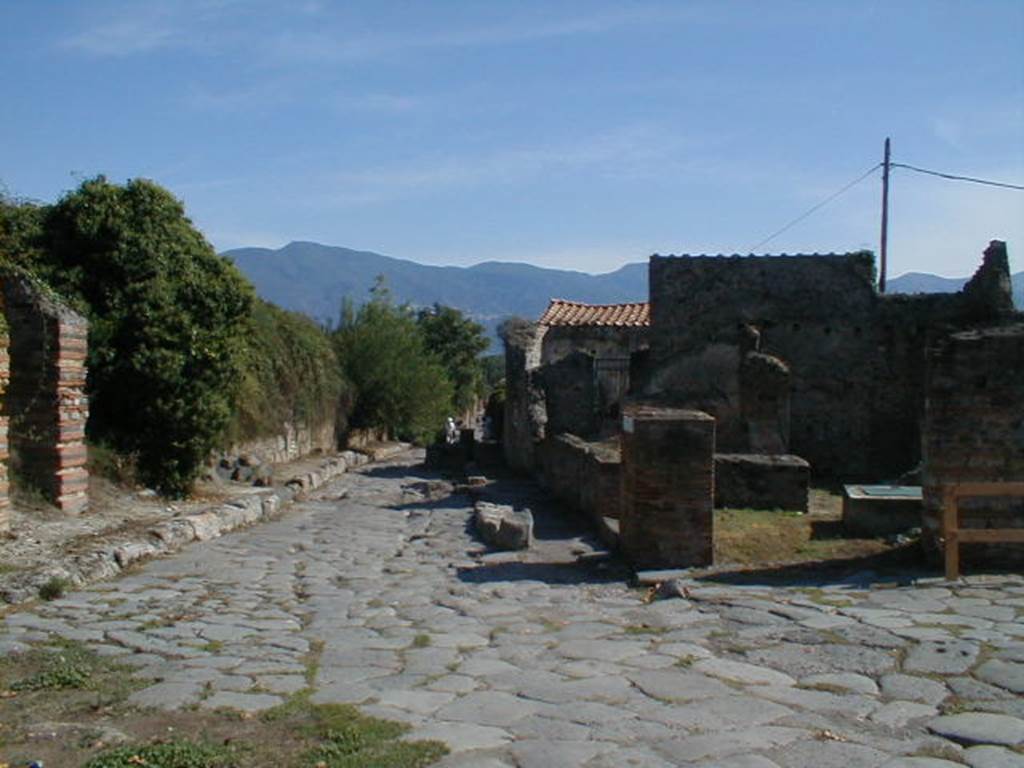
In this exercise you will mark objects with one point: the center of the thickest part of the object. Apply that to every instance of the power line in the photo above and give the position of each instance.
(822, 204)
(957, 178)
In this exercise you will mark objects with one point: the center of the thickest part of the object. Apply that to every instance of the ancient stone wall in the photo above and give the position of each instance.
(586, 476)
(45, 399)
(571, 395)
(600, 341)
(813, 312)
(292, 442)
(666, 518)
(974, 425)
(855, 359)
(525, 419)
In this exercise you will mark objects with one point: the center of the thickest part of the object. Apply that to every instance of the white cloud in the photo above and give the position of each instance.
(632, 152)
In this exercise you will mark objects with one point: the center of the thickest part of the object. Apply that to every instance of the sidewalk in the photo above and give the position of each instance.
(125, 526)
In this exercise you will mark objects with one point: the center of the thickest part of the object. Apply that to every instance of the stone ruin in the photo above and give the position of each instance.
(796, 362)
(44, 408)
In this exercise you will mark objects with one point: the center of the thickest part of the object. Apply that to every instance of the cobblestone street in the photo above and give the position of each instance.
(375, 586)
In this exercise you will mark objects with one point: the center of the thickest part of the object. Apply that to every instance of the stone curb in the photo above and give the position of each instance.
(168, 536)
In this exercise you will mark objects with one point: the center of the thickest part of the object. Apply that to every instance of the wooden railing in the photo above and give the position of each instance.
(954, 535)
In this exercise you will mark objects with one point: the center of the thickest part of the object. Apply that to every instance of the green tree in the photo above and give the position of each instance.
(397, 385)
(458, 342)
(21, 233)
(167, 323)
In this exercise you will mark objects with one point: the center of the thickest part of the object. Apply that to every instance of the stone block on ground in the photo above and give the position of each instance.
(503, 527)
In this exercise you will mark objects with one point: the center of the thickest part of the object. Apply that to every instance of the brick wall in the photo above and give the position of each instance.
(46, 402)
(974, 424)
(667, 518)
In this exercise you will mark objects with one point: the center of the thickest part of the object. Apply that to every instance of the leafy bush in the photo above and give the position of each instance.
(458, 342)
(291, 374)
(168, 319)
(397, 385)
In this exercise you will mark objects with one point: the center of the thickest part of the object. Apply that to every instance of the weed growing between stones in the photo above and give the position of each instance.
(170, 754)
(54, 589)
(421, 641)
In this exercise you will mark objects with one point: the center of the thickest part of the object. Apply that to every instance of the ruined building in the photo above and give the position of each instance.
(802, 364)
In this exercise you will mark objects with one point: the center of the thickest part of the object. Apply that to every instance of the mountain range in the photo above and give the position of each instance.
(313, 279)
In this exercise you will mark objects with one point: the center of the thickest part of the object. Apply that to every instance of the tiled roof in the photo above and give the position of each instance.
(562, 312)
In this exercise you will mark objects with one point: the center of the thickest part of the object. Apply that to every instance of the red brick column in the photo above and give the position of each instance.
(974, 431)
(71, 479)
(46, 400)
(667, 516)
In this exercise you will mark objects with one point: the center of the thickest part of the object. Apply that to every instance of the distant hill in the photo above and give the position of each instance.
(920, 282)
(314, 278)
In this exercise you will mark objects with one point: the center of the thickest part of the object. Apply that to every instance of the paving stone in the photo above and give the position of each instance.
(493, 708)
(848, 682)
(993, 757)
(740, 761)
(722, 744)
(544, 753)
(1005, 674)
(676, 685)
(167, 695)
(913, 688)
(828, 754)
(921, 762)
(461, 736)
(420, 702)
(941, 658)
(243, 702)
(803, 660)
(979, 728)
(897, 714)
(742, 672)
(630, 757)
(285, 684)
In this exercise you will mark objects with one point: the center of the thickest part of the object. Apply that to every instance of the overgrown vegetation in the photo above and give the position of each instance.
(290, 374)
(183, 358)
(397, 384)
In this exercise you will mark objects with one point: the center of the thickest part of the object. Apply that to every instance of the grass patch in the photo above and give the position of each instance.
(65, 682)
(54, 589)
(169, 754)
(421, 641)
(686, 661)
(750, 536)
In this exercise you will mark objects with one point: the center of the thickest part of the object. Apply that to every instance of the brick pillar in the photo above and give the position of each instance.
(974, 430)
(71, 479)
(667, 487)
(46, 398)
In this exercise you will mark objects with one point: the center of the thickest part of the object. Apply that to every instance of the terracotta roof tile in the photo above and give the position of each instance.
(562, 312)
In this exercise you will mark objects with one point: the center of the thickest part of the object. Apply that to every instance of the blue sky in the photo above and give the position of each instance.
(581, 135)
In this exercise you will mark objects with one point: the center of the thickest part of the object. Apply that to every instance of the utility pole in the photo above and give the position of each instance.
(885, 217)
